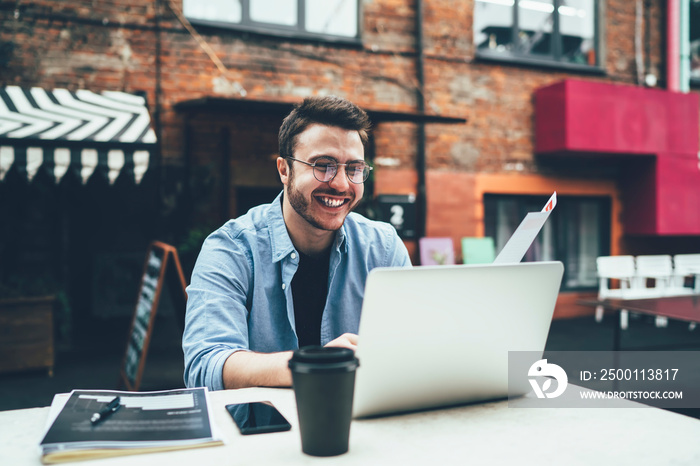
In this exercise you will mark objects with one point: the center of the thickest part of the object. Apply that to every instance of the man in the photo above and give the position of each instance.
(290, 273)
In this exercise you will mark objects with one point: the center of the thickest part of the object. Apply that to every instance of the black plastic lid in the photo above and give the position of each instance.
(312, 358)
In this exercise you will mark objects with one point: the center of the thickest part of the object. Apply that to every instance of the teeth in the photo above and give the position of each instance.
(332, 202)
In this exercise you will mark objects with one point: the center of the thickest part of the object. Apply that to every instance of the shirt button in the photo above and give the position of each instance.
(294, 255)
(284, 286)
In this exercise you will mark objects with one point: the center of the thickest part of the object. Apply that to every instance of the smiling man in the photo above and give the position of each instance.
(290, 273)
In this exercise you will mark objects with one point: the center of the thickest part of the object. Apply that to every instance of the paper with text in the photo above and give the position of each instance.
(147, 422)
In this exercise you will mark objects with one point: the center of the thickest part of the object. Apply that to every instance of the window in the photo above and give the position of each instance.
(576, 233)
(560, 33)
(333, 20)
(695, 41)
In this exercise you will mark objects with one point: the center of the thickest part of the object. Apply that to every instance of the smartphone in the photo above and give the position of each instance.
(257, 418)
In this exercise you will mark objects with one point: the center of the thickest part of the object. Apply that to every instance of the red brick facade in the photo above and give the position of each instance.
(113, 46)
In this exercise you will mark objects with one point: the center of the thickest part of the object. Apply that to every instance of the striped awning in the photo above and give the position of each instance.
(83, 132)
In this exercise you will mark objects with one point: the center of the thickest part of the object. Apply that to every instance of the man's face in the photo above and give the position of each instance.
(324, 206)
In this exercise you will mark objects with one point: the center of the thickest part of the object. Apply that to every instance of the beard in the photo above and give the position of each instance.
(304, 206)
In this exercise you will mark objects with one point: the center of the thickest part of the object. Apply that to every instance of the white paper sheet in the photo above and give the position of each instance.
(518, 244)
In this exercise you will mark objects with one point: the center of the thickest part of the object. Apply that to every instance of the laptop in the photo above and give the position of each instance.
(437, 336)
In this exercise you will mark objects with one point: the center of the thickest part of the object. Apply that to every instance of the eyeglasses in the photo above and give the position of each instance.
(325, 169)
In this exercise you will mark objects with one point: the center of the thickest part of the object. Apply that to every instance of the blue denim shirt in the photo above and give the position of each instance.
(240, 296)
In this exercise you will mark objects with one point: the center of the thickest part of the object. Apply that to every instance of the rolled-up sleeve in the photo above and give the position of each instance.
(216, 323)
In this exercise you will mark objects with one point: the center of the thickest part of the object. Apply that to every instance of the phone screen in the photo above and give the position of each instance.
(257, 418)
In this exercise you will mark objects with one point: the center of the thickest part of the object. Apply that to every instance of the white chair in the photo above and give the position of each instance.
(686, 265)
(659, 268)
(620, 268)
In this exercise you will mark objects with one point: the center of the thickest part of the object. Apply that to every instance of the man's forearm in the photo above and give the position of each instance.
(247, 369)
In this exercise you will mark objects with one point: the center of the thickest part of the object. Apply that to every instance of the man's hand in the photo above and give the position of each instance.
(346, 340)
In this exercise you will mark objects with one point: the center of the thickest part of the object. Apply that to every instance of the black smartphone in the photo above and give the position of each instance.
(257, 418)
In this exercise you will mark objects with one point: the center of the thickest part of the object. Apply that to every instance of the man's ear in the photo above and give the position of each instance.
(283, 170)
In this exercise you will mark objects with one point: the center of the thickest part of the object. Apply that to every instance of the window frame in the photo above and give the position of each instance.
(297, 31)
(510, 57)
(693, 81)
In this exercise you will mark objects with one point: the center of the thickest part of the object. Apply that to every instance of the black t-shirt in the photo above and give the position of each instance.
(310, 290)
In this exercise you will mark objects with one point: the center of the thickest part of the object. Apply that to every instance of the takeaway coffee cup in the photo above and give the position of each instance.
(324, 381)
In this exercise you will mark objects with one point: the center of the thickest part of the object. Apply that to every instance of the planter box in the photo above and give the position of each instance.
(26, 334)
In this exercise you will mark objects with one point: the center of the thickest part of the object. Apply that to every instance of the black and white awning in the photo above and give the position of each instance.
(61, 131)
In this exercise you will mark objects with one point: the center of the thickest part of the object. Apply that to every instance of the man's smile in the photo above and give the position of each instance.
(332, 202)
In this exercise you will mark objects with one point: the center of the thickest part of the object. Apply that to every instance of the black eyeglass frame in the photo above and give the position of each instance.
(366, 171)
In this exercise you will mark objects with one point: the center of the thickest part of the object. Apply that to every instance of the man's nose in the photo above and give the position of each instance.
(340, 181)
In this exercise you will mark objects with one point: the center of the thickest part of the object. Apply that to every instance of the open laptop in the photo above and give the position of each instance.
(438, 336)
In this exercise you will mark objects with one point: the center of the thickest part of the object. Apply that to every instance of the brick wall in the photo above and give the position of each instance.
(112, 45)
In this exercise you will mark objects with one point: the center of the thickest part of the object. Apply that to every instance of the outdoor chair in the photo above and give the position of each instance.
(621, 269)
(686, 265)
(659, 269)
(481, 250)
(436, 251)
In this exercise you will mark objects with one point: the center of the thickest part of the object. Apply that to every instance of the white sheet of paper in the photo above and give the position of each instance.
(551, 203)
(518, 244)
(59, 401)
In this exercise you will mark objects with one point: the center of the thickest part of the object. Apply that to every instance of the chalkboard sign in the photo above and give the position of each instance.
(400, 211)
(155, 270)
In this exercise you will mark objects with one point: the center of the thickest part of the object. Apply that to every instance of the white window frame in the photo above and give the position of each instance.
(297, 30)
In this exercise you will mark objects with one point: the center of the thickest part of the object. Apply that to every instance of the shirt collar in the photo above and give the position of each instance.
(341, 243)
(279, 236)
(281, 243)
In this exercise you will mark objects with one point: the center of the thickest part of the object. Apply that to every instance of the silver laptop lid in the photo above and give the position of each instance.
(438, 336)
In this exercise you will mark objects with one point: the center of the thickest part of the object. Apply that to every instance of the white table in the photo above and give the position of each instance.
(489, 433)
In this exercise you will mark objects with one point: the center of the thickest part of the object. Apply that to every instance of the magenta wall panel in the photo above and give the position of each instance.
(658, 129)
(678, 194)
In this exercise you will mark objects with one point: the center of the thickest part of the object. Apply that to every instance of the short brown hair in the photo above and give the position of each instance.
(330, 111)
